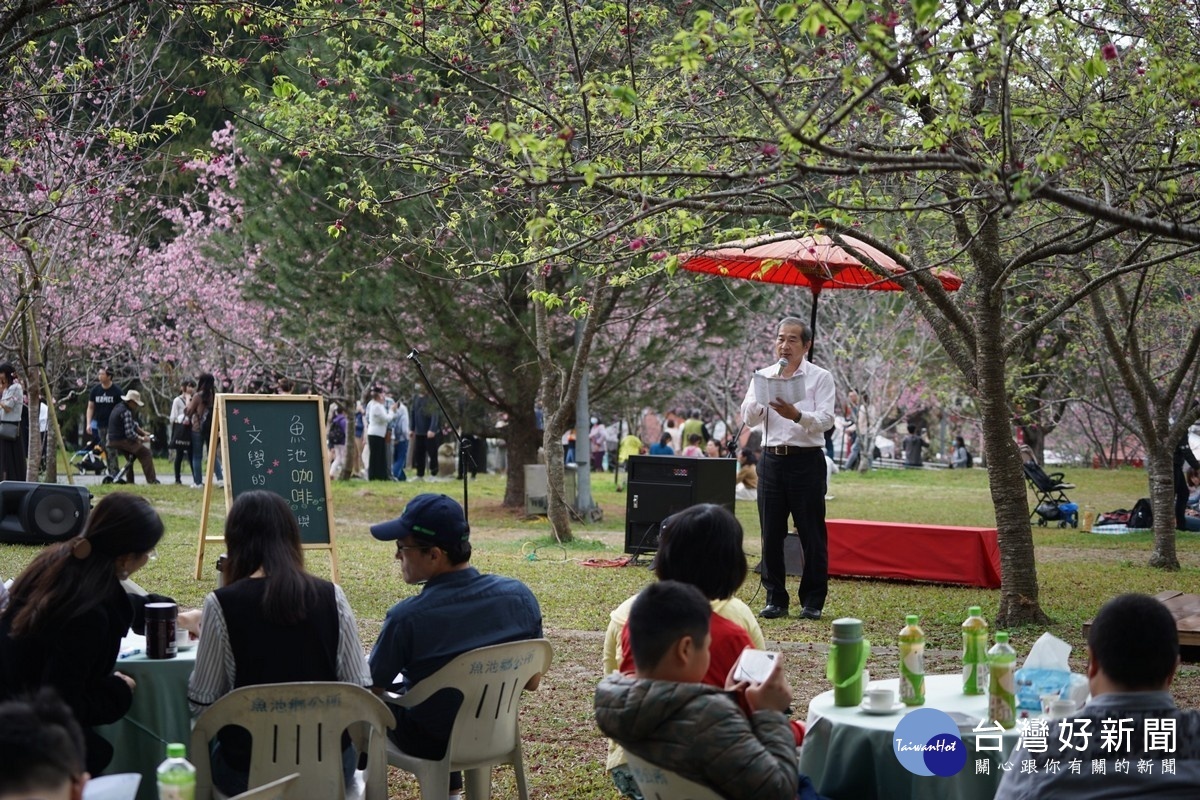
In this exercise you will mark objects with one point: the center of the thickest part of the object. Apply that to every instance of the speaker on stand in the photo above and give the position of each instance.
(41, 513)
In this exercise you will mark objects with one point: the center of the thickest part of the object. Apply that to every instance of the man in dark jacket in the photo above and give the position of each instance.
(127, 436)
(423, 430)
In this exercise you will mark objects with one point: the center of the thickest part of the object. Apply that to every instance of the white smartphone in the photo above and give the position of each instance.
(754, 666)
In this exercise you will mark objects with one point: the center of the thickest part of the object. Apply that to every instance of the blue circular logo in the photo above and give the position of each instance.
(927, 743)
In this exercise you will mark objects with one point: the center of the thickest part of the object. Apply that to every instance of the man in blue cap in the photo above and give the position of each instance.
(459, 609)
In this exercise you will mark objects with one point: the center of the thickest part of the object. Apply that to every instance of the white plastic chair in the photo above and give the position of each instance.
(658, 783)
(486, 730)
(275, 790)
(297, 728)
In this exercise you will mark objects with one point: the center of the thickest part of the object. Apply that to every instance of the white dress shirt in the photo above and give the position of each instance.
(816, 410)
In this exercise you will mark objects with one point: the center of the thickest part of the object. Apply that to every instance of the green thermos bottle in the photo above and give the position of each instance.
(847, 658)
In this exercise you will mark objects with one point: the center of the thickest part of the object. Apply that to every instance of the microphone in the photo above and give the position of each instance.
(412, 354)
(782, 364)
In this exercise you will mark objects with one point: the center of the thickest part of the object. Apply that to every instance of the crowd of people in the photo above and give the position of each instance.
(271, 621)
(393, 437)
(672, 693)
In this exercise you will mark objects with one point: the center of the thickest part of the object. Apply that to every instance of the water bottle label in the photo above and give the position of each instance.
(974, 679)
(912, 673)
(177, 791)
(1002, 702)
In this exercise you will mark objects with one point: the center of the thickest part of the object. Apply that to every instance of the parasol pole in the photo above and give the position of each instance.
(812, 320)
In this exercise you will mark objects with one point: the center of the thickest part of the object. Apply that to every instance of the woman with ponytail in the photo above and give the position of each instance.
(68, 611)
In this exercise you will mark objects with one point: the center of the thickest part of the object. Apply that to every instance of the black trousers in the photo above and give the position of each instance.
(377, 461)
(424, 452)
(794, 486)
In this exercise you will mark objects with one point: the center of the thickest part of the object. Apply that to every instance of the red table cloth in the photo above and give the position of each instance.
(907, 551)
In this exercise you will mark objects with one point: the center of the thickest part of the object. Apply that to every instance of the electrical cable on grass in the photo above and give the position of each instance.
(529, 551)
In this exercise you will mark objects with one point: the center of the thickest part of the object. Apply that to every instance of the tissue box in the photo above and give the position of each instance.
(1034, 682)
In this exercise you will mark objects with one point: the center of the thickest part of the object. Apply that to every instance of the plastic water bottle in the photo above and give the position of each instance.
(176, 775)
(1002, 667)
(975, 636)
(912, 662)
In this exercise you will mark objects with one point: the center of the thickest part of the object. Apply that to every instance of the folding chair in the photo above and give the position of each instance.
(658, 783)
(1051, 503)
(297, 728)
(486, 729)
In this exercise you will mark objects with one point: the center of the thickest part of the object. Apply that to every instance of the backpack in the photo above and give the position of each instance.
(970, 460)
(1141, 516)
(337, 432)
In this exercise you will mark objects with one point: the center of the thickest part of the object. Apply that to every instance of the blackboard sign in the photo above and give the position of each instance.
(275, 443)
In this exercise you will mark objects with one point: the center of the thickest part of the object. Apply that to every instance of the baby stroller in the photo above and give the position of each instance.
(1051, 503)
(90, 458)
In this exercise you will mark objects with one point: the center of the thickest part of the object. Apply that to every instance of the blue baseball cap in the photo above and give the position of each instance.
(433, 519)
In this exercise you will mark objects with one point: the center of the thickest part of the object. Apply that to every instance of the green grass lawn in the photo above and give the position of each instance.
(564, 754)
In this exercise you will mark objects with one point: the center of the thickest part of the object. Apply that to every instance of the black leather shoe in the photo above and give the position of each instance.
(810, 613)
(773, 612)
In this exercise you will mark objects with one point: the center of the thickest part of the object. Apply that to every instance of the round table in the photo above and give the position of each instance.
(159, 713)
(849, 754)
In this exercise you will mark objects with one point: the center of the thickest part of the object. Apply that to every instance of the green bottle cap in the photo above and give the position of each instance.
(176, 750)
(975, 611)
(1001, 637)
(912, 619)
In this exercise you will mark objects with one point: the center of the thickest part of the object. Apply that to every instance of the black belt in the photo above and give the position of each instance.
(789, 449)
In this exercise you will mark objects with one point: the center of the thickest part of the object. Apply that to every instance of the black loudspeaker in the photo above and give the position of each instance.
(659, 486)
(41, 513)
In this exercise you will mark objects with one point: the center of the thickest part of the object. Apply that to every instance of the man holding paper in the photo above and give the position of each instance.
(793, 401)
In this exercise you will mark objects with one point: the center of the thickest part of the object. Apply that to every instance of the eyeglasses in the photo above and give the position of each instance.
(400, 548)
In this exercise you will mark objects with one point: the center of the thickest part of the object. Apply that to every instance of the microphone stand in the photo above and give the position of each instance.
(731, 446)
(464, 446)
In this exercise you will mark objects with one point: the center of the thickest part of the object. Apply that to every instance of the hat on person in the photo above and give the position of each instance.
(433, 519)
(132, 396)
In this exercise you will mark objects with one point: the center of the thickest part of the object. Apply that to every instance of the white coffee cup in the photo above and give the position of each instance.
(182, 638)
(1048, 701)
(880, 699)
(1060, 708)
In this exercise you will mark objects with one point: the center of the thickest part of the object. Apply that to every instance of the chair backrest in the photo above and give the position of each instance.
(297, 727)
(658, 783)
(275, 790)
(491, 680)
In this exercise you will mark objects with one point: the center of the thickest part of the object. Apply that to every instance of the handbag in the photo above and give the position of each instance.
(181, 434)
(9, 431)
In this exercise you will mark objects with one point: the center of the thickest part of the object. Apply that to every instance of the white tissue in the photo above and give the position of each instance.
(1049, 652)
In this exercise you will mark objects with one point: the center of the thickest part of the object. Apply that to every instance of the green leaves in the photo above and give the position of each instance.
(924, 10)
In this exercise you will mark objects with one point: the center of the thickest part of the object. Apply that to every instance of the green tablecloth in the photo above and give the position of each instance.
(849, 754)
(159, 713)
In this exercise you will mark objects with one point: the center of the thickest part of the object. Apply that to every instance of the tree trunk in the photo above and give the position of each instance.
(352, 465)
(1160, 472)
(523, 440)
(550, 393)
(1018, 570)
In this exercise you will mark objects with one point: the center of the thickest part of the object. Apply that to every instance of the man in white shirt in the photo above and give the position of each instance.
(792, 479)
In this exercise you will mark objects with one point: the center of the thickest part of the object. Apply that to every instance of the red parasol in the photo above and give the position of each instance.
(817, 262)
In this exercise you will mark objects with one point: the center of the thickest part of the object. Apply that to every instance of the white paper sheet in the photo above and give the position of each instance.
(767, 388)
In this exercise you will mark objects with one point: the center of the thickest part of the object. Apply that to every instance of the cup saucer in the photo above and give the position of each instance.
(879, 712)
